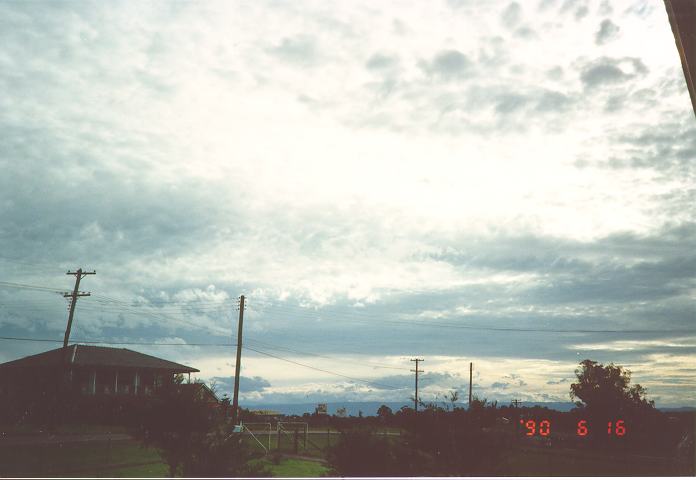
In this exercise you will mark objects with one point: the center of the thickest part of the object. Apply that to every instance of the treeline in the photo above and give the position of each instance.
(438, 441)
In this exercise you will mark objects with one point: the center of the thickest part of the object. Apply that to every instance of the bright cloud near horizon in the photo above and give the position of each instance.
(507, 183)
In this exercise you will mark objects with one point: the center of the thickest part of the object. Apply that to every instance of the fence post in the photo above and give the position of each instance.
(296, 441)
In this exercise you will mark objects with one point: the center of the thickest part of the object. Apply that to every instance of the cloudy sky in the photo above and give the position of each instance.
(508, 183)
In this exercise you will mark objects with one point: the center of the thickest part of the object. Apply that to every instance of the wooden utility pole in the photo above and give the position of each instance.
(415, 399)
(471, 371)
(238, 364)
(79, 275)
(516, 414)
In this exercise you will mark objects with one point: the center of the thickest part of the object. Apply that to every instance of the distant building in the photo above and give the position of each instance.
(89, 370)
(264, 415)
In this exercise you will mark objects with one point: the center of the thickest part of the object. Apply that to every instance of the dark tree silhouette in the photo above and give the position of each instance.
(192, 435)
(384, 413)
(607, 389)
(606, 396)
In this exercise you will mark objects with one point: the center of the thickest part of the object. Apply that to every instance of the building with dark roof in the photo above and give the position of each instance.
(89, 370)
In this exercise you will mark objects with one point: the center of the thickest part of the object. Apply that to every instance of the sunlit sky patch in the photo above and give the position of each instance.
(506, 183)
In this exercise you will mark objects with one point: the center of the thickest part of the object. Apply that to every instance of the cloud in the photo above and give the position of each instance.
(206, 159)
(581, 12)
(512, 15)
(449, 64)
(380, 61)
(607, 32)
(500, 385)
(298, 49)
(608, 71)
(246, 384)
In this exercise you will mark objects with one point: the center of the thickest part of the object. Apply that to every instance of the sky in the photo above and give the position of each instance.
(504, 183)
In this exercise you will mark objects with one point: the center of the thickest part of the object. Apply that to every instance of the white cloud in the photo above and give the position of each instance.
(322, 155)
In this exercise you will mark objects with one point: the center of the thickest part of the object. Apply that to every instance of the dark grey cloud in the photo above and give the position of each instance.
(573, 6)
(509, 103)
(525, 33)
(668, 147)
(640, 9)
(528, 103)
(608, 71)
(558, 382)
(449, 64)
(300, 49)
(615, 103)
(380, 61)
(512, 15)
(605, 8)
(500, 385)
(607, 32)
(84, 205)
(581, 12)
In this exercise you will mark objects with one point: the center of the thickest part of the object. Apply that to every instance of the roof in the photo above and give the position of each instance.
(682, 15)
(200, 387)
(93, 356)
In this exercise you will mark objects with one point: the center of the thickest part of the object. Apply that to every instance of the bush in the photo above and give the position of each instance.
(192, 436)
(362, 453)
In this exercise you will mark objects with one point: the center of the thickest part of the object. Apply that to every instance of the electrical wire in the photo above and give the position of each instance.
(108, 342)
(329, 357)
(31, 287)
(104, 342)
(321, 369)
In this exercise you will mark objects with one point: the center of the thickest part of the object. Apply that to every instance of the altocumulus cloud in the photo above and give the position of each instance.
(378, 183)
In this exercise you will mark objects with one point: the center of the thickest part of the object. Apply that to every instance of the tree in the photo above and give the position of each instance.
(191, 435)
(384, 413)
(607, 389)
(360, 453)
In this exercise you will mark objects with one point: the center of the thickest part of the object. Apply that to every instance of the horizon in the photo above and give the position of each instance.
(504, 183)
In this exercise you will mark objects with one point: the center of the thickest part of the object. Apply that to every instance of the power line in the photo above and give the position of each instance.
(332, 357)
(111, 342)
(108, 342)
(154, 344)
(160, 316)
(370, 319)
(373, 320)
(31, 287)
(322, 370)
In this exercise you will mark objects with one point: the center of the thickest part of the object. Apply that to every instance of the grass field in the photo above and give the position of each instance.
(98, 460)
(130, 459)
(571, 462)
(80, 459)
(292, 467)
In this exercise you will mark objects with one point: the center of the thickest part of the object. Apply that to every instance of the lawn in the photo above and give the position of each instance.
(99, 459)
(541, 462)
(295, 467)
(81, 459)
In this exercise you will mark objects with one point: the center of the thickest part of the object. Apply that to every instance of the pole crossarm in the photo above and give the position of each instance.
(74, 295)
